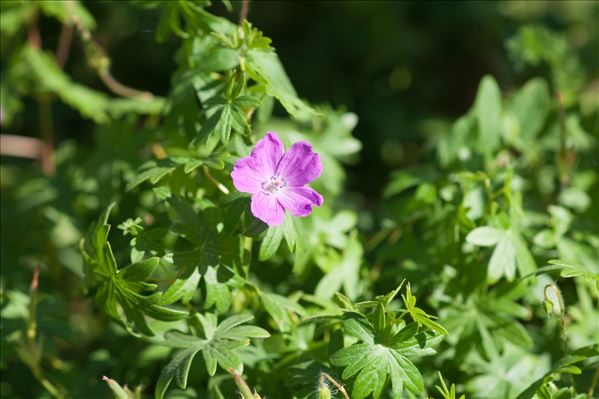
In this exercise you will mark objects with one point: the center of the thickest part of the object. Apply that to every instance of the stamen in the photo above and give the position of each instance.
(273, 185)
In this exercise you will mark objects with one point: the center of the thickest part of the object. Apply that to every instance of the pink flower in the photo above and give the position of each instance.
(277, 179)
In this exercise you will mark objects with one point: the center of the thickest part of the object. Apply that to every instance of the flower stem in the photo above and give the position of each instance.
(337, 385)
(218, 184)
(32, 344)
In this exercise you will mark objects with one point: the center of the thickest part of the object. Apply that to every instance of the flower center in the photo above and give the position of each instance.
(273, 185)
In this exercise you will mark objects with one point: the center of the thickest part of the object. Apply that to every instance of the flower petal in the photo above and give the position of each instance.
(267, 208)
(299, 200)
(267, 153)
(300, 165)
(247, 177)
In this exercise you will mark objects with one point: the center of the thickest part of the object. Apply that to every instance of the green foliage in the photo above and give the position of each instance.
(384, 346)
(534, 45)
(478, 258)
(217, 346)
(120, 291)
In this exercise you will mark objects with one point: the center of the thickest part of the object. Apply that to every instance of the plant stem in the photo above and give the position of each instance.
(562, 321)
(47, 133)
(340, 387)
(32, 345)
(31, 322)
(594, 383)
(562, 311)
(566, 156)
(66, 36)
(218, 184)
(245, 391)
(99, 60)
(20, 146)
(245, 8)
(33, 34)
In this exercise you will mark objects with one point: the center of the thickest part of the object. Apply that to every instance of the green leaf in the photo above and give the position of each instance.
(225, 122)
(485, 236)
(217, 293)
(267, 69)
(524, 259)
(292, 230)
(344, 273)
(564, 365)
(48, 76)
(271, 242)
(418, 345)
(123, 106)
(219, 59)
(488, 113)
(419, 315)
(530, 105)
(373, 362)
(182, 289)
(503, 261)
(283, 310)
(140, 270)
(211, 246)
(120, 292)
(218, 346)
(567, 270)
(64, 12)
(151, 171)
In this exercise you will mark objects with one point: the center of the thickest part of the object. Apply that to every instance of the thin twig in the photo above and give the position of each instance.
(101, 63)
(47, 153)
(66, 35)
(31, 322)
(20, 146)
(118, 88)
(33, 33)
(245, 8)
(64, 44)
(47, 132)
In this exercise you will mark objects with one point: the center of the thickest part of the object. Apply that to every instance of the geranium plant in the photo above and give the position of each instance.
(207, 245)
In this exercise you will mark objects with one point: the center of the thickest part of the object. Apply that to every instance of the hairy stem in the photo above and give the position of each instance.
(337, 385)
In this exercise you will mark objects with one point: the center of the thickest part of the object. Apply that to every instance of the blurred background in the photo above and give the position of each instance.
(406, 69)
